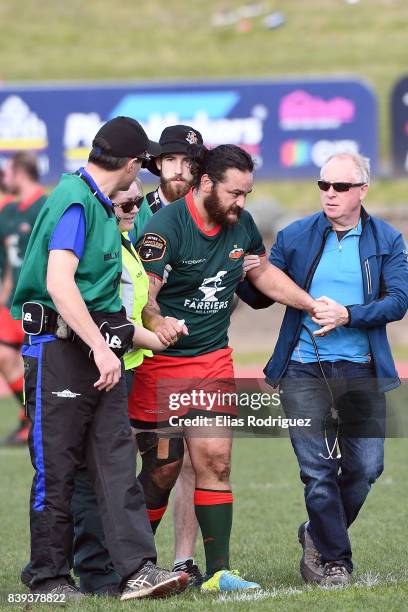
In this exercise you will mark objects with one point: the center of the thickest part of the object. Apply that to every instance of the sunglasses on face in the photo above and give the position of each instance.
(129, 204)
(340, 187)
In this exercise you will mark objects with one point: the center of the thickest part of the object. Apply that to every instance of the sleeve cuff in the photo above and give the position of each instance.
(349, 316)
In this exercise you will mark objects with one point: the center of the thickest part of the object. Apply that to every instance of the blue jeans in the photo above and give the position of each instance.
(335, 487)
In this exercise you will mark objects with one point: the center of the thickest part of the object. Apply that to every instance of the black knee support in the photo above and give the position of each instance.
(158, 452)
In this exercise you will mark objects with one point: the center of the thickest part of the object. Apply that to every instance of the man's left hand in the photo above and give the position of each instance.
(329, 315)
(250, 262)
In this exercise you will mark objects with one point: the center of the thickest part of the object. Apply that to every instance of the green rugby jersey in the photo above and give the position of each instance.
(205, 271)
(4, 203)
(17, 225)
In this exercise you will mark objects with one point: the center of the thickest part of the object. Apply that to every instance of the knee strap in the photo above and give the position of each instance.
(156, 453)
(157, 450)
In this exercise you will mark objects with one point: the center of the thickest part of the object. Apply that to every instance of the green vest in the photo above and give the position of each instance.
(134, 290)
(99, 268)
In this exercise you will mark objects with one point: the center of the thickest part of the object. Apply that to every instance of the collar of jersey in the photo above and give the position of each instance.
(94, 186)
(24, 204)
(198, 220)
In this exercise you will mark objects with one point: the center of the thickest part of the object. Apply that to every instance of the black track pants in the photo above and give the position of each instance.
(74, 424)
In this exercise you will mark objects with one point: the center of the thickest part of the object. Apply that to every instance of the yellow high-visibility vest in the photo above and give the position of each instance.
(134, 291)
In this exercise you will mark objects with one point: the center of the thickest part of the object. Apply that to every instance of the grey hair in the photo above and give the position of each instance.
(361, 163)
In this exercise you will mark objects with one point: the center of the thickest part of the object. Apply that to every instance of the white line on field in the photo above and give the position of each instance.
(365, 580)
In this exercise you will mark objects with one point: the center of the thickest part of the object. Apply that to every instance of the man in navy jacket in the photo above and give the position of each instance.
(336, 374)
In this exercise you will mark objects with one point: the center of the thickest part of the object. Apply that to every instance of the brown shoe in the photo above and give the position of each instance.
(311, 566)
(335, 574)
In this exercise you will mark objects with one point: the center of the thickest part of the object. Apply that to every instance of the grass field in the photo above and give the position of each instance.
(176, 39)
(49, 40)
(269, 507)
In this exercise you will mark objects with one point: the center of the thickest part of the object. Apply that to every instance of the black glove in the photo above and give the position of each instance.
(116, 330)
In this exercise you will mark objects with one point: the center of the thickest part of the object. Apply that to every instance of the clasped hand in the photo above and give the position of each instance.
(328, 314)
(169, 330)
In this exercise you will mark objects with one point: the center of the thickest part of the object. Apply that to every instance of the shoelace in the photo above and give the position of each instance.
(317, 558)
(334, 569)
(235, 573)
(148, 569)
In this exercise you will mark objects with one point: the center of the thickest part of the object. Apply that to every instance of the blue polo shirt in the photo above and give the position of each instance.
(338, 276)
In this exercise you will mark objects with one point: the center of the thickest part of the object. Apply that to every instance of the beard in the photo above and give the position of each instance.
(174, 190)
(218, 214)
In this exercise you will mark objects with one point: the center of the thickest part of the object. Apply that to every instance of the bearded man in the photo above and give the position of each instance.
(200, 241)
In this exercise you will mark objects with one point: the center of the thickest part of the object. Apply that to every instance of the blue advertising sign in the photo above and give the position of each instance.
(290, 127)
(399, 126)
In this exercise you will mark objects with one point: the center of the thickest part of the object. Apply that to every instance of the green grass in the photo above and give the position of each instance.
(49, 40)
(400, 352)
(269, 507)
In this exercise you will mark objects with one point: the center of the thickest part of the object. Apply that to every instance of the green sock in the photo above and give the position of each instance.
(214, 514)
(19, 395)
(155, 516)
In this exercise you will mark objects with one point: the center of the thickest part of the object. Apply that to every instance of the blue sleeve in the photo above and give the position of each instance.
(277, 256)
(393, 304)
(69, 233)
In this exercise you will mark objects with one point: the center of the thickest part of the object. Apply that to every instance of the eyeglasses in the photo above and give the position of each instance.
(340, 187)
(129, 204)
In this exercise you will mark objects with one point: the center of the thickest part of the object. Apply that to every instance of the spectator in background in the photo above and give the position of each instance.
(21, 180)
(5, 275)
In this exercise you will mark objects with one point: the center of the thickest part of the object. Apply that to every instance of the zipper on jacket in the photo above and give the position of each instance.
(316, 260)
(368, 276)
(306, 287)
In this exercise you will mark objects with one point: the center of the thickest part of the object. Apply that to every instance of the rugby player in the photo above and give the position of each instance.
(173, 167)
(5, 274)
(21, 179)
(202, 239)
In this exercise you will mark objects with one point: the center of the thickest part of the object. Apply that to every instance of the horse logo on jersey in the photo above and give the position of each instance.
(209, 304)
(211, 285)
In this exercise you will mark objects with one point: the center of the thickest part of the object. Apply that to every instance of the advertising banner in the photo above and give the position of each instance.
(399, 126)
(290, 127)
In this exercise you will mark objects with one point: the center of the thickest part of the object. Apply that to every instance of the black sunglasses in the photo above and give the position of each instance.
(340, 187)
(129, 204)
